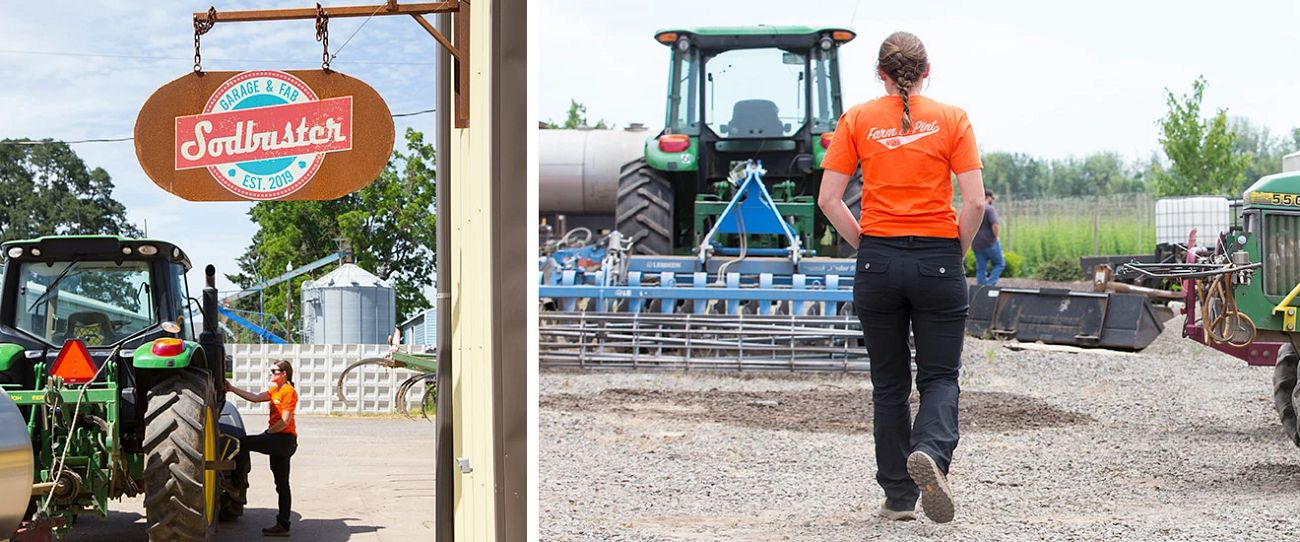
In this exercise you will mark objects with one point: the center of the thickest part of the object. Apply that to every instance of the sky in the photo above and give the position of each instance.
(1045, 78)
(1050, 79)
(81, 70)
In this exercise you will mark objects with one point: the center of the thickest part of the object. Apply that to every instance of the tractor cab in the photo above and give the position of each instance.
(105, 291)
(103, 296)
(98, 353)
(108, 292)
(740, 91)
(766, 95)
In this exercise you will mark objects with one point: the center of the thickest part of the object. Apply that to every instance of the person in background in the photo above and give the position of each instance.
(280, 440)
(987, 246)
(910, 274)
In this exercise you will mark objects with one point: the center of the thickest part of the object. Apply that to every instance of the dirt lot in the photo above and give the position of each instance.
(363, 479)
(1176, 443)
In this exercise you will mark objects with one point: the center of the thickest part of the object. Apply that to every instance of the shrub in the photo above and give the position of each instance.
(1062, 269)
(1015, 264)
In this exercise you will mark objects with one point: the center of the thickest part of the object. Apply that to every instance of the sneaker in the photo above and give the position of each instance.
(908, 514)
(276, 530)
(936, 496)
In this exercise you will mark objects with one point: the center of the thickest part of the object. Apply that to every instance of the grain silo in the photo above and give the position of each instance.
(348, 306)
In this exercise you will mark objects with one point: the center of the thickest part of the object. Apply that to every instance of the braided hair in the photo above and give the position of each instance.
(902, 58)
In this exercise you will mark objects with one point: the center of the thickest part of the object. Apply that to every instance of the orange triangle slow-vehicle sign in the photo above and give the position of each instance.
(74, 364)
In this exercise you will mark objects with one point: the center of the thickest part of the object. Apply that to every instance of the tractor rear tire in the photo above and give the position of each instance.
(1285, 393)
(181, 496)
(852, 198)
(644, 211)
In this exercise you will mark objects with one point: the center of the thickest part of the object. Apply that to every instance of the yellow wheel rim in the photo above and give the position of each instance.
(209, 457)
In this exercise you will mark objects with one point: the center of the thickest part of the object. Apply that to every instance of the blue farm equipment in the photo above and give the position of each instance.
(738, 310)
(713, 260)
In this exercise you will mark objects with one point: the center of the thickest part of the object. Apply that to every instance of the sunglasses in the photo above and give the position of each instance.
(276, 371)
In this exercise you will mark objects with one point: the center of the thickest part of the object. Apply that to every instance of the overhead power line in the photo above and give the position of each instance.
(187, 59)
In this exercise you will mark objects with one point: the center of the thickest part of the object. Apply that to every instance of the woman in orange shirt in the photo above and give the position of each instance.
(280, 440)
(911, 245)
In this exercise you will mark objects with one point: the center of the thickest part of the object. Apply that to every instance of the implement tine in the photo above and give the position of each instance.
(430, 395)
(402, 390)
(399, 401)
(338, 387)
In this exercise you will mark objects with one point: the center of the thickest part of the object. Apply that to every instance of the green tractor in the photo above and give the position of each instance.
(1242, 288)
(97, 350)
(769, 94)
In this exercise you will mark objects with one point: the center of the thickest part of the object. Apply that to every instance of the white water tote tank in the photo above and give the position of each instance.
(1175, 218)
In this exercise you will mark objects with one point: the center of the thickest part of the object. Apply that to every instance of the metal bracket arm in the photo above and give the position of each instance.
(458, 46)
(1288, 312)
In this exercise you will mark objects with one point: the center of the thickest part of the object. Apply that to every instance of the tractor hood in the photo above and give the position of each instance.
(1278, 190)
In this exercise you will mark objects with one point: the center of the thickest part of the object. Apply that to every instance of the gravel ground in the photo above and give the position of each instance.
(1178, 442)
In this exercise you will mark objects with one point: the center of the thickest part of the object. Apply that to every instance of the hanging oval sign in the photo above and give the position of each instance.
(264, 135)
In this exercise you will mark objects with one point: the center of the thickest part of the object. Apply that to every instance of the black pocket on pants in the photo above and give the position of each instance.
(945, 280)
(870, 271)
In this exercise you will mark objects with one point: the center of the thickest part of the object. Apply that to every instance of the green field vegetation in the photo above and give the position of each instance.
(1042, 231)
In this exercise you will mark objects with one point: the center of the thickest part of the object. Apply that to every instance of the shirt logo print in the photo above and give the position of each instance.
(891, 139)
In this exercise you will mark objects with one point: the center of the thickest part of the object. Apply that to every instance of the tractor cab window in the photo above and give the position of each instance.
(684, 92)
(826, 90)
(100, 303)
(755, 93)
(184, 310)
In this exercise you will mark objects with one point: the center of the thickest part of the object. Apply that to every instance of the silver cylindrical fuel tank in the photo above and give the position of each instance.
(15, 467)
(578, 169)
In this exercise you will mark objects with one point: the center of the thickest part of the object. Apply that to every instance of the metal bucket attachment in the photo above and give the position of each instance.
(1057, 316)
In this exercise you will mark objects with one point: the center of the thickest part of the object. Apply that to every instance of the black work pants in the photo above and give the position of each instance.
(280, 446)
(915, 282)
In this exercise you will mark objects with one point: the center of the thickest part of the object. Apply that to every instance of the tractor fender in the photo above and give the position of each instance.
(230, 422)
(687, 160)
(145, 358)
(9, 352)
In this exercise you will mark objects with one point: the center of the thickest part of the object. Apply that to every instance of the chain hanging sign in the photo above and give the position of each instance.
(264, 135)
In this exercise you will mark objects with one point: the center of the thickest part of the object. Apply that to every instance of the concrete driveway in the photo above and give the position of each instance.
(353, 478)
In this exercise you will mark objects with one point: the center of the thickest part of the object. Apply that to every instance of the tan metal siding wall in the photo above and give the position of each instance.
(471, 295)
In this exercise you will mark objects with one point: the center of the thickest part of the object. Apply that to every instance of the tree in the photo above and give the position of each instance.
(1024, 176)
(46, 189)
(389, 226)
(1203, 153)
(1265, 150)
(577, 118)
(1018, 174)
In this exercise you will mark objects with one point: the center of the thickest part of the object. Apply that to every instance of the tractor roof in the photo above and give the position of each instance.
(67, 247)
(741, 37)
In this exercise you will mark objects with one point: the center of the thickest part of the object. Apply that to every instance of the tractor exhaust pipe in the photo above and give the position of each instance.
(210, 300)
(214, 345)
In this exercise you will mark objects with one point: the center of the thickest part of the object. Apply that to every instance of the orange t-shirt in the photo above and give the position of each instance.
(906, 177)
(284, 399)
